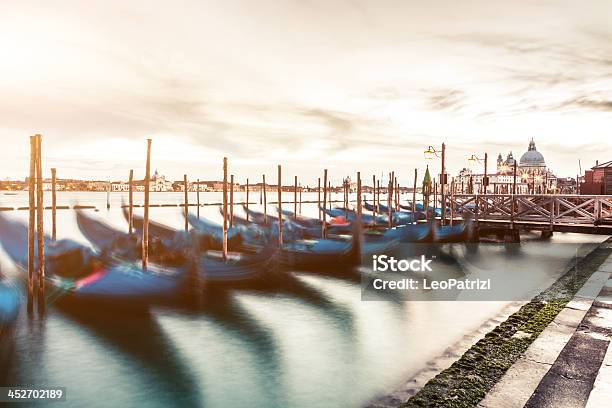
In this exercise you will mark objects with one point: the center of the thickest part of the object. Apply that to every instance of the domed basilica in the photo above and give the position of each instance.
(535, 178)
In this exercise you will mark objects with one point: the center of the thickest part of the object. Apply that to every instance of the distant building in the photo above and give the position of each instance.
(598, 180)
(532, 175)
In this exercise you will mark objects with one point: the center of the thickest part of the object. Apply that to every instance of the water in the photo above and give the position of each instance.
(318, 346)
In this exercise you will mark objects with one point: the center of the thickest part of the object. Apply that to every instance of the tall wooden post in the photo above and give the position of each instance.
(198, 199)
(389, 198)
(53, 204)
(452, 201)
(231, 208)
(324, 224)
(247, 197)
(145, 224)
(186, 184)
(329, 191)
(295, 198)
(378, 196)
(108, 190)
(39, 226)
(225, 208)
(414, 188)
(359, 195)
(300, 200)
(31, 222)
(131, 200)
(319, 197)
(280, 208)
(265, 201)
(374, 199)
(442, 185)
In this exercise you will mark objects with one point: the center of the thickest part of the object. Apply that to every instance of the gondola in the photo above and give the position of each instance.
(9, 304)
(451, 233)
(76, 275)
(238, 269)
(238, 235)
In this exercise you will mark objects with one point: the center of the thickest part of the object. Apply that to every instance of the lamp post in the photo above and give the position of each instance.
(485, 179)
(429, 154)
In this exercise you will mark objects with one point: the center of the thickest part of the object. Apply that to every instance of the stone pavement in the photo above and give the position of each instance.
(570, 363)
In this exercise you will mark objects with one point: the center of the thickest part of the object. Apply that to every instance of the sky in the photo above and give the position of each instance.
(347, 85)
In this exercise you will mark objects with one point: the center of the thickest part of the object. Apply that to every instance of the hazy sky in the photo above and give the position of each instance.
(348, 85)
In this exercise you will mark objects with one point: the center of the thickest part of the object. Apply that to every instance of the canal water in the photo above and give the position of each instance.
(318, 345)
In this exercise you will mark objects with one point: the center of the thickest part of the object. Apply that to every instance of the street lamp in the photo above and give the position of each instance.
(429, 154)
(473, 160)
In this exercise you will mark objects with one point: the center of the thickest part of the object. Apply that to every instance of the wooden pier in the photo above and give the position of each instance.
(591, 214)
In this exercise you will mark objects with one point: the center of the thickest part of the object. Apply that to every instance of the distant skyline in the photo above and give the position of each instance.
(348, 85)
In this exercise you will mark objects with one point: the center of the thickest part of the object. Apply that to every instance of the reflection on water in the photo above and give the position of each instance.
(310, 343)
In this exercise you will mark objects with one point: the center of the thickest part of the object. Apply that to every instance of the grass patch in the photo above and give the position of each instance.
(467, 381)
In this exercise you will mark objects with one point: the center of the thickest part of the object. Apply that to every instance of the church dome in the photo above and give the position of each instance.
(532, 158)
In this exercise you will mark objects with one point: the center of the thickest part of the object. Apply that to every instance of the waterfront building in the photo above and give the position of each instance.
(598, 180)
(533, 176)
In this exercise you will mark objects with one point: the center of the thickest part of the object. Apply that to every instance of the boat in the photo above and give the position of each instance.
(76, 276)
(9, 304)
(212, 268)
(109, 241)
(451, 233)
(211, 234)
(399, 218)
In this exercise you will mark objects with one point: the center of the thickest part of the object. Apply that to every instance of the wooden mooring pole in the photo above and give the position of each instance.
(319, 197)
(300, 200)
(198, 199)
(390, 198)
(108, 190)
(53, 204)
(280, 208)
(247, 197)
(414, 189)
(31, 222)
(145, 224)
(231, 208)
(324, 224)
(265, 201)
(186, 185)
(131, 200)
(225, 208)
(39, 226)
(374, 199)
(295, 187)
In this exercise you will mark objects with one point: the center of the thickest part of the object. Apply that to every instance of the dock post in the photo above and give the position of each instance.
(414, 188)
(186, 209)
(280, 208)
(319, 197)
(231, 208)
(39, 226)
(389, 199)
(300, 200)
(225, 208)
(295, 198)
(359, 195)
(374, 200)
(145, 223)
(108, 190)
(53, 204)
(377, 203)
(329, 191)
(265, 201)
(131, 205)
(31, 222)
(324, 224)
(247, 196)
(198, 198)
(452, 201)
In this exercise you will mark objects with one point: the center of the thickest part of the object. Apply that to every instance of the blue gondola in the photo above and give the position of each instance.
(237, 269)
(9, 304)
(75, 274)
